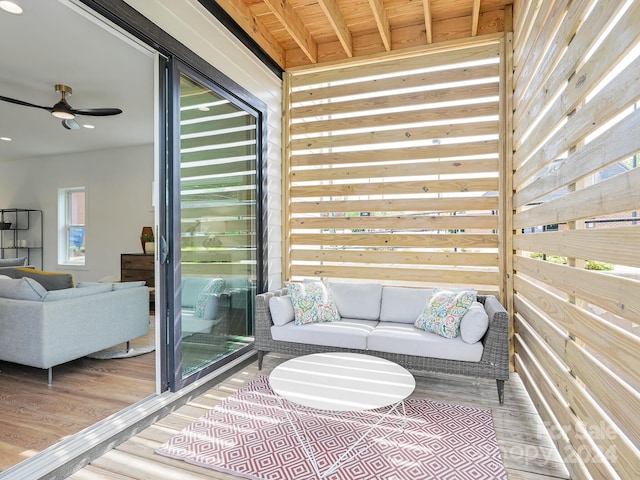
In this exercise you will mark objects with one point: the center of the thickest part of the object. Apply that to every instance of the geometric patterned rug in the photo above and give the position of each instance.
(249, 436)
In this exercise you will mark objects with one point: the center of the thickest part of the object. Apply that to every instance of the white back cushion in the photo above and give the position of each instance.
(357, 300)
(281, 310)
(403, 304)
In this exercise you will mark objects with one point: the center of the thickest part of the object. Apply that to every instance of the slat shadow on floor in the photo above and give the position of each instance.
(527, 450)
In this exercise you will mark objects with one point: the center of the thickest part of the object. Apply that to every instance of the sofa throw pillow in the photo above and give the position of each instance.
(22, 289)
(281, 310)
(49, 280)
(474, 323)
(312, 303)
(443, 312)
(13, 262)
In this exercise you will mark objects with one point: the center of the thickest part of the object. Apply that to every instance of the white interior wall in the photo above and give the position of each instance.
(119, 185)
(192, 25)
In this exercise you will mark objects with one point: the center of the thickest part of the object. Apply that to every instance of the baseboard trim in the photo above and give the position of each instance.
(70, 455)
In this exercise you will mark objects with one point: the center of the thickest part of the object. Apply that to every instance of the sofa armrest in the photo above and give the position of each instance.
(496, 340)
(263, 320)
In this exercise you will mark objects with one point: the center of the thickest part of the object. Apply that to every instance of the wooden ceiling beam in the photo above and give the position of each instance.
(330, 9)
(245, 19)
(475, 18)
(382, 21)
(428, 23)
(290, 20)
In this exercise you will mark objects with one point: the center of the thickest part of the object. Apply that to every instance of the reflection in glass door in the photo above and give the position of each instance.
(218, 226)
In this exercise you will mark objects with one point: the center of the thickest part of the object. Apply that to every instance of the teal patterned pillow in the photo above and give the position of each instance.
(443, 312)
(312, 303)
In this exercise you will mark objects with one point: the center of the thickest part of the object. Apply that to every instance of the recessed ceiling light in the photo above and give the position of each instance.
(88, 126)
(5, 139)
(11, 7)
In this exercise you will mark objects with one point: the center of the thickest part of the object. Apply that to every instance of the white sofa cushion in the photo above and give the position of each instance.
(281, 310)
(347, 333)
(474, 323)
(357, 300)
(403, 304)
(401, 338)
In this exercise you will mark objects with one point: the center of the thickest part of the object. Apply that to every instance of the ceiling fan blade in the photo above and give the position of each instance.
(96, 112)
(70, 124)
(25, 104)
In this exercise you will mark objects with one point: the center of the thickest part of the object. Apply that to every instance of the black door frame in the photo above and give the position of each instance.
(171, 51)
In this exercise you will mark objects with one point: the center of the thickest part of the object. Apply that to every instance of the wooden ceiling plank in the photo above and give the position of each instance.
(245, 19)
(382, 21)
(331, 10)
(475, 18)
(428, 23)
(295, 26)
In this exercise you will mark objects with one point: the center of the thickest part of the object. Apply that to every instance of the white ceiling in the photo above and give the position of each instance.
(55, 42)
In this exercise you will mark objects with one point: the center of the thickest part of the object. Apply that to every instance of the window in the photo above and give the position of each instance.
(72, 228)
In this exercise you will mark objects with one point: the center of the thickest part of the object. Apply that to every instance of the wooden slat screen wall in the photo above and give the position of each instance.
(392, 169)
(576, 134)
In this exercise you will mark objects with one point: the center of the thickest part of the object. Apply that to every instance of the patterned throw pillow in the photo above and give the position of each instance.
(312, 303)
(443, 312)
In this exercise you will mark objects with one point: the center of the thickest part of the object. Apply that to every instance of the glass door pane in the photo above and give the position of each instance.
(218, 224)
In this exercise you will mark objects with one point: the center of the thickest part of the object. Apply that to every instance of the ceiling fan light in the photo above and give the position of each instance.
(62, 111)
(10, 7)
(63, 115)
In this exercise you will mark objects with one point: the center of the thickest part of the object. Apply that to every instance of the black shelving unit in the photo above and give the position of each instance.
(24, 237)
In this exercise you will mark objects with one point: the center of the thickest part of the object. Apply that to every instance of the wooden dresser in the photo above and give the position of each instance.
(137, 266)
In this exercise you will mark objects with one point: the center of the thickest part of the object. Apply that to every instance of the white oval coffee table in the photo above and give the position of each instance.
(341, 383)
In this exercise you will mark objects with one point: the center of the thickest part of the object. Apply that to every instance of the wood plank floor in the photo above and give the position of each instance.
(527, 450)
(34, 416)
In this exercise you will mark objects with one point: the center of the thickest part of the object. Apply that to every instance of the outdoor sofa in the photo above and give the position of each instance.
(379, 320)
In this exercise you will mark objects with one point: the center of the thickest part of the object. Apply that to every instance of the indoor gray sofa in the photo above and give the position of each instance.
(379, 321)
(43, 328)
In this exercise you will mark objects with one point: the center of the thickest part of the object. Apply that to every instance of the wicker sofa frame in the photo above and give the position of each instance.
(494, 363)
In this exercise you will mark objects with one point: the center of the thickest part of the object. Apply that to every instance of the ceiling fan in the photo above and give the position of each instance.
(63, 110)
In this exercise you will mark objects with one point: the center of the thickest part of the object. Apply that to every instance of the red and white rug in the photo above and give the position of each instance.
(248, 435)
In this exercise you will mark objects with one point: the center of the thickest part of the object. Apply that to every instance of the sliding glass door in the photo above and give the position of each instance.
(215, 199)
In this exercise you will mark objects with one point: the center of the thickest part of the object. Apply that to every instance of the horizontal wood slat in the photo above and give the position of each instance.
(444, 222)
(607, 245)
(411, 134)
(395, 274)
(398, 257)
(446, 167)
(460, 150)
(397, 188)
(429, 114)
(396, 205)
(389, 240)
(424, 58)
